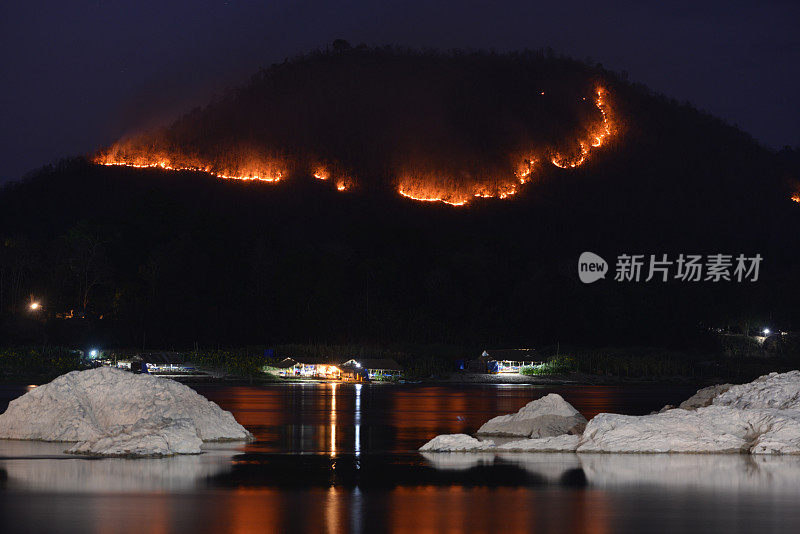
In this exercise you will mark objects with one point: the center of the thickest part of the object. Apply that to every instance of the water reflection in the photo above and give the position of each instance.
(357, 421)
(727, 473)
(458, 461)
(333, 420)
(358, 418)
(717, 472)
(358, 471)
(39, 466)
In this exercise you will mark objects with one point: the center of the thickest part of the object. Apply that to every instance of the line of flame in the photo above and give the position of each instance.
(594, 140)
(276, 177)
(523, 174)
(503, 191)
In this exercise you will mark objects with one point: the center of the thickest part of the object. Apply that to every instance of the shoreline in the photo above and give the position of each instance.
(455, 378)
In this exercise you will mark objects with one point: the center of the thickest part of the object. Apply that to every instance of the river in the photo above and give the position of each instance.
(342, 458)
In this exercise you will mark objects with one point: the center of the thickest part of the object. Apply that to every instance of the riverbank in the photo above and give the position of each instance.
(426, 364)
(563, 379)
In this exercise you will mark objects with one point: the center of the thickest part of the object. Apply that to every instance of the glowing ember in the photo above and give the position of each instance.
(796, 197)
(260, 171)
(343, 184)
(423, 198)
(321, 173)
(340, 180)
(595, 139)
(428, 187)
(424, 186)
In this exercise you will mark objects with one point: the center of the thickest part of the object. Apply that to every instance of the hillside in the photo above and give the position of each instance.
(595, 163)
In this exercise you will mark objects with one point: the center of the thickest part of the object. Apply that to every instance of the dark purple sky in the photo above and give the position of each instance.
(77, 75)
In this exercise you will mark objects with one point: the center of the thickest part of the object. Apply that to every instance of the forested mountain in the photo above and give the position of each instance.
(526, 161)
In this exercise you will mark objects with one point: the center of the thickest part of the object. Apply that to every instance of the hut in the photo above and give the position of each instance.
(372, 369)
(309, 368)
(509, 361)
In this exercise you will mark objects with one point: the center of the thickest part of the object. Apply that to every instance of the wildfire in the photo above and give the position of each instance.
(321, 173)
(424, 186)
(344, 183)
(341, 180)
(595, 139)
(260, 171)
(422, 198)
(430, 188)
(796, 197)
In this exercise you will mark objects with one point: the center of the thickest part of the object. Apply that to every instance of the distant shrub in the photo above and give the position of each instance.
(554, 365)
(42, 363)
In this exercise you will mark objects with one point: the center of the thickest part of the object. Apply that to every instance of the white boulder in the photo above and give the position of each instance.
(456, 443)
(563, 443)
(761, 417)
(704, 397)
(779, 391)
(146, 437)
(109, 410)
(548, 416)
(717, 430)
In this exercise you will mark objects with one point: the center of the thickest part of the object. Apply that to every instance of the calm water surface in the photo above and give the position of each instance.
(342, 458)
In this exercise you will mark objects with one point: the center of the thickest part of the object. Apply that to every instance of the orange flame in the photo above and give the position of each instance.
(796, 197)
(595, 139)
(343, 184)
(422, 197)
(260, 170)
(321, 173)
(425, 186)
(433, 188)
(341, 181)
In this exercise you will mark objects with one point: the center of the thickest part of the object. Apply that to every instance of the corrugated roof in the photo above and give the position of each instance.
(511, 354)
(378, 363)
(312, 360)
(174, 358)
(367, 363)
(286, 363)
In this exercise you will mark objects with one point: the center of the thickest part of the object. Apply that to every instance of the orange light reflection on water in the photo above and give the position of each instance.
(414, 510)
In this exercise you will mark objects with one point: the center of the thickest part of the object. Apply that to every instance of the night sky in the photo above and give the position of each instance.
(77, 75)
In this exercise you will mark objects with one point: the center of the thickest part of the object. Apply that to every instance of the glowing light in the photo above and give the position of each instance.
(93, 353)
(595, 139)
(333, 420)
(357, 419)
(424, 186)
(341, 181)
(421, 198)
(254, 168)
(766, 331)
(796, 197)
(33, 306)
(430, 187)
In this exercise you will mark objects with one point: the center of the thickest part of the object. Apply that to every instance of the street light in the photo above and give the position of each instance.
(33, 306)
(766, 331)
